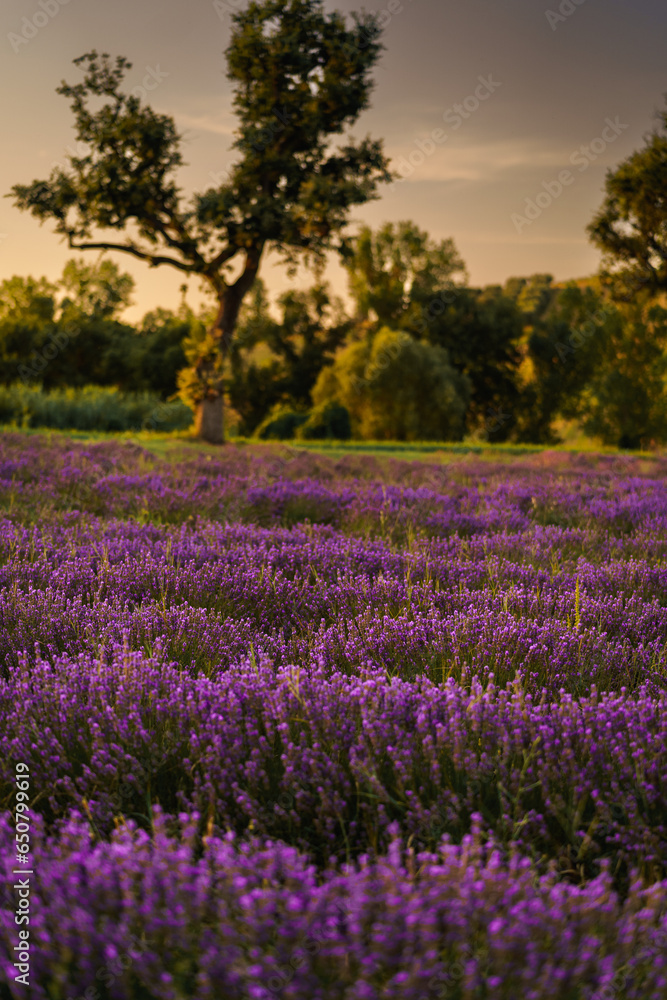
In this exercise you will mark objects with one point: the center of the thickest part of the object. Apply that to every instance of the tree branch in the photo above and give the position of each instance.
(153, 259)
(185, 245)
(225, 254)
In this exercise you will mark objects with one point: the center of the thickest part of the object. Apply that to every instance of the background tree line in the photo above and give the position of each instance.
(69, 333)
(421, 356)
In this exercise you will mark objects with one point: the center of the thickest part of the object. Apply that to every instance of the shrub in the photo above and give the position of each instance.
(91, 408)
(329, 420)
(281, 424)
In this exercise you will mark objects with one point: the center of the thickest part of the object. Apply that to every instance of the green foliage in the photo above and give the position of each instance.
(396, 388)
(300, 76)
(630, 228)
(601, 363)
(159, 349)
(312, 327)
(253, 388)
(566, 344)
(124, 178)
(90, 408)
(72, 341)
(27, 321)
(397, 266)
(27, 300)
(98, 291)
(77, 339)
(98, 351)
(280, 425)
(203, 376)
(326, 421)
(401, 278)
(480, 330)
(625, 403)
(532, 296)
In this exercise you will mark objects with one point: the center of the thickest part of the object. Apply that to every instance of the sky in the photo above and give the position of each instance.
(502, 116)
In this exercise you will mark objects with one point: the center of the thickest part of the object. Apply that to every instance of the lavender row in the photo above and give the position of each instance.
(152, 917)
(462, 498)
(328, 762)
(453, 607)
(549, 558)
(478, 635)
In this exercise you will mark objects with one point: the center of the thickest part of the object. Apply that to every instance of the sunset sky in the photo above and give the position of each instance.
(534, 84)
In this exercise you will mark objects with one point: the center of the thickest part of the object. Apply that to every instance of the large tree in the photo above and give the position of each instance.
(300, 76)
(630, 228)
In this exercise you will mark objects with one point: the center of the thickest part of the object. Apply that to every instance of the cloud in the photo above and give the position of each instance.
(458, 160)
(206, 123)
(487, 239)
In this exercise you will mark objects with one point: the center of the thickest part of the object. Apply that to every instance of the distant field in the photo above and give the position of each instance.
(164, 444)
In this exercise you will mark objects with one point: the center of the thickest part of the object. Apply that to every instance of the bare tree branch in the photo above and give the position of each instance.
(153, 259)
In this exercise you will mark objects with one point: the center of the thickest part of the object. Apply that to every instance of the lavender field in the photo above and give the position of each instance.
(301, 727)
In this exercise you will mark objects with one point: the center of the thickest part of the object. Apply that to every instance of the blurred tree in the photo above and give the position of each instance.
(399, 277)
(312, 328)
(100, 349)
(27, 299)
(159, 349)
(328, 420)
(78, 340)
(625, 403)
(280, 424)
(390, 269)
(532, 295)
(301, 77)
(566, 342)
(481, 331)
(27, 325)
(630, 228)
(396, 388)
(96, 291)
(602, 363)
(251, 378)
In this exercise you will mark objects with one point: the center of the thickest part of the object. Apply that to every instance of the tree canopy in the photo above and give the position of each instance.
(398, 266)
(630, 228)
(96, 290)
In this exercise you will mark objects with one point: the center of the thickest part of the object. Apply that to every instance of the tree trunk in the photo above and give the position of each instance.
(209, 425)
(209, 420)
